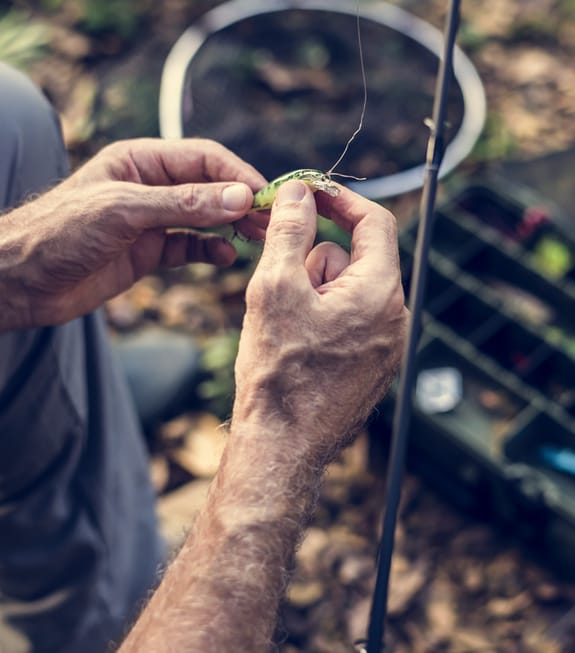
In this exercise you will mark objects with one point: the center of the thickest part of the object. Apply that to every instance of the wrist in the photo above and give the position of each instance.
(286, 431)
(266, 475)
(281, 402)
(308, 424)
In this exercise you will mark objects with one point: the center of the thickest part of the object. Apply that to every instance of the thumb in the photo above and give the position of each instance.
(186, 205)
(292, 227)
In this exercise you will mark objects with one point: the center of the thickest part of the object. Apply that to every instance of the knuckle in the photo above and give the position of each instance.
(396, 302)
(112, 149)
(211, 147)
(286, 226)
(254, 293)
(392, 299)
(189, 200)
(118, 149)
(389, 222)
(206, 143)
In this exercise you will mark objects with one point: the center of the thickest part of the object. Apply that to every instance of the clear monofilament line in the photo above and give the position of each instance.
(363, 109)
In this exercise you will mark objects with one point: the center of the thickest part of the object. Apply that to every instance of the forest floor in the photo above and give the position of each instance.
(458, 585)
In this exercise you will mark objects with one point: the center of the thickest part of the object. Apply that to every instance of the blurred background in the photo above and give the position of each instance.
(460, 583)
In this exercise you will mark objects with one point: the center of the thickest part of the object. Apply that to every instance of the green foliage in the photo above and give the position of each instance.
(217, 391)
(496, 142)
(22, 41)
(51, 5)
(567, 8)
(470, 39)
(248, 250)
(328, 230)
(119, 16)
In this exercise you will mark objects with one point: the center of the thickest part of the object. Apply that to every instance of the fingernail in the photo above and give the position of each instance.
(291, 191)
(235, 197)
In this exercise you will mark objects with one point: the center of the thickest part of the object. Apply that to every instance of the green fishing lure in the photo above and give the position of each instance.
(315, 179)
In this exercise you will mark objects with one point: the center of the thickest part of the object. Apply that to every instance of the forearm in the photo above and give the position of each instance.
(14, 304)
(222, 591)
(31, 249)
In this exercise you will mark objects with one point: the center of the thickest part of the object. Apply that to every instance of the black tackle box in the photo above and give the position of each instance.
(493, 422)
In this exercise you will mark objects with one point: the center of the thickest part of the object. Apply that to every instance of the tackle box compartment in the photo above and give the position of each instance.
(493, 421)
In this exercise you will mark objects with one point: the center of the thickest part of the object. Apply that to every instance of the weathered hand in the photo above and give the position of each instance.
(323, 330)
(109, 224)
(321, 341)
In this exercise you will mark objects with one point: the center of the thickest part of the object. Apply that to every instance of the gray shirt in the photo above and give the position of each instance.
(79, 546)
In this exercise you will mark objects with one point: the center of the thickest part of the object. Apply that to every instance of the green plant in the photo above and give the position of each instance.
(470, 39)
(51, 5)
(22, 40)
(567, 7)
(328, 230)
(217, 391)
(496, 141)
(119, 16)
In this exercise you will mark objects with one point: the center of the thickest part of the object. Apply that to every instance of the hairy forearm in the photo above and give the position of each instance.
(222, 591)
(14, 304)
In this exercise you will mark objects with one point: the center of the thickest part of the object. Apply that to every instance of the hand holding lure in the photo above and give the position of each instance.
(316, 179)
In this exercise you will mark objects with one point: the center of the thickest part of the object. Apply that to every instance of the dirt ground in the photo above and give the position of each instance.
(459, 585)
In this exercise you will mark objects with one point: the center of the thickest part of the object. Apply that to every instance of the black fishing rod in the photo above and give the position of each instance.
(375, 642)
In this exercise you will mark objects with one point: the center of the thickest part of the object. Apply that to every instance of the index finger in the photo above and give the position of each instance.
(373, 227)
(159, 162)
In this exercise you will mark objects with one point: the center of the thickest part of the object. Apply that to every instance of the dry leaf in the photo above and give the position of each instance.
(203, 446)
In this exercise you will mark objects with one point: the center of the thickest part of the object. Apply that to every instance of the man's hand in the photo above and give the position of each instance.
(324, 329)
(109, 224)
(322, 338)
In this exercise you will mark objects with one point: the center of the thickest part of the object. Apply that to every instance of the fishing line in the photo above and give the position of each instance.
(375, 642)
(316, 179)
(331, 172)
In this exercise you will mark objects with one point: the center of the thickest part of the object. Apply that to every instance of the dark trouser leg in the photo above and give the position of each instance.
(78, 541)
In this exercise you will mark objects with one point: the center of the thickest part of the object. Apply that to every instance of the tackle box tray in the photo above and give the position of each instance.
(493, 422)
